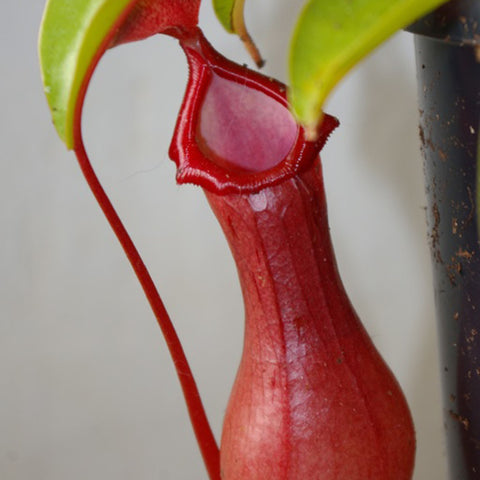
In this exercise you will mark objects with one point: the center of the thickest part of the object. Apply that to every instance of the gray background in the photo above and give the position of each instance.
(87, 389)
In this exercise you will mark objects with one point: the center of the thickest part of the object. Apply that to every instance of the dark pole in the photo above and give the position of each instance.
(447, 44)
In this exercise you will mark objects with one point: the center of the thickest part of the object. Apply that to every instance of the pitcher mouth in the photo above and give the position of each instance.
(235, 132)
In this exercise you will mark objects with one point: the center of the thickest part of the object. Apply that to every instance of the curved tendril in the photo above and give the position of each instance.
(204, 435)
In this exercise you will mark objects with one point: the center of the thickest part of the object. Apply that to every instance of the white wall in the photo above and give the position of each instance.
(86, 386)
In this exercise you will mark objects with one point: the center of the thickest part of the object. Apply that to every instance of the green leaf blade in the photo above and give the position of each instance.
(70, 37)
(224, 12)
(332, 37)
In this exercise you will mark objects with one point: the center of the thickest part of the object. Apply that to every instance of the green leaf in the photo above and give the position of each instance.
(230, 14)
(224, 11)
(74, 35)
(71, 35)
(331, 36)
